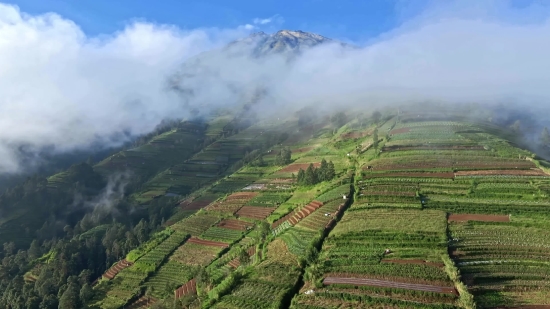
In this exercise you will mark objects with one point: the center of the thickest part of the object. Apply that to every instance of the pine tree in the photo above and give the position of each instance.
(322, 171)
(331, 172)
(310, 176)
(70, 298)
(301, 177)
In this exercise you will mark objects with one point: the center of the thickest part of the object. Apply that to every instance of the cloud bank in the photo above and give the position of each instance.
(60, 87)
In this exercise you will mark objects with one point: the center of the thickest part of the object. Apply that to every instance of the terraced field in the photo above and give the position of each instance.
(441, 213)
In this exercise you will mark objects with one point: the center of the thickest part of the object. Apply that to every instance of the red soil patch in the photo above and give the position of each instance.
(293, 168)
(401, 130)
(195, 240)
(194, 205)
(475, 217)
(413, 175)
(255, 212)
(189, 288)
(389, 284)
(298, 214)
(234, 224)
(530, 172)
(142, 302)
(114, 270)
(419, 262)
(241, 196)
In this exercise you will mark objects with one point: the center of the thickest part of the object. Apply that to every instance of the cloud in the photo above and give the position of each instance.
(63, 88)
(264, 21)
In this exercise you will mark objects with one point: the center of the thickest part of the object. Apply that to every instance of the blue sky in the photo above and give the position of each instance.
(342, 19)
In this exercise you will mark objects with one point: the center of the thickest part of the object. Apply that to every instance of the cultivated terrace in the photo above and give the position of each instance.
(399, 209)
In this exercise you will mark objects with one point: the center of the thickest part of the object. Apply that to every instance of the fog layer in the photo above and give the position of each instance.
(60, 87)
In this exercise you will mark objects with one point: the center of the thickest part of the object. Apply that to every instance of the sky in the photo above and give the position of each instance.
(344, 19)
(79, 73)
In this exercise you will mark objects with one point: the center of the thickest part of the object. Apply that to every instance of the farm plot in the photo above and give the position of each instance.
(319, 219)
(153, 258)
(223, 235)
(502, 261)
(255, 212)
(389, 284)
(298, 214)
(114, 270)
(196, 224)
(334, 194)
(196, 254)
(171, 274)
(295, 168)
(232, 203)
(186, 289)
(197, 204)
(478, 217)
(269, 199)
(529, 172)
(234, 224)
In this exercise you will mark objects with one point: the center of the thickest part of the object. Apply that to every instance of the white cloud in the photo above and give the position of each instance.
(60, 87)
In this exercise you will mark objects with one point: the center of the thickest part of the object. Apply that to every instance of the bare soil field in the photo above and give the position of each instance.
(530, 172)
(195, 240)
(293, 168)
(389, 284)
(232, 203)
(234, 224)
(255, 212)
(189, 288)
(419, 262)
(476, 217)
(298, 214)
(195, 205)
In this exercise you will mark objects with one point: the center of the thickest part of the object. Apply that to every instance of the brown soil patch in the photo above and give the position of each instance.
(389, 284)
(114, 270)
(189, 288)
(293, 168)
(530, 172)
(255, 212)
(241, 196)
(298, 214)
(401, 130)
(143, 302)
(234, 224)
(413, 175)
(195, 240)
(476, 217)
(419, 262)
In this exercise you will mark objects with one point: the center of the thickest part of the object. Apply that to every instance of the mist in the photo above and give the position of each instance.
(61, 88)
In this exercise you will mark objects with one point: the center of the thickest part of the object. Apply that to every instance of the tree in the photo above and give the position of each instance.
(264, 229)
(301, 176)
(375, 138)
(310, 177)
(243, 256)
(70, 299)
(376, 115)
(322, 171)
(331, 172)
(283, 157)
(34, 250)
(86, 293)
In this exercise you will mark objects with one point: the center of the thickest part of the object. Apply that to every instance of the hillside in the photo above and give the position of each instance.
(440, 213)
